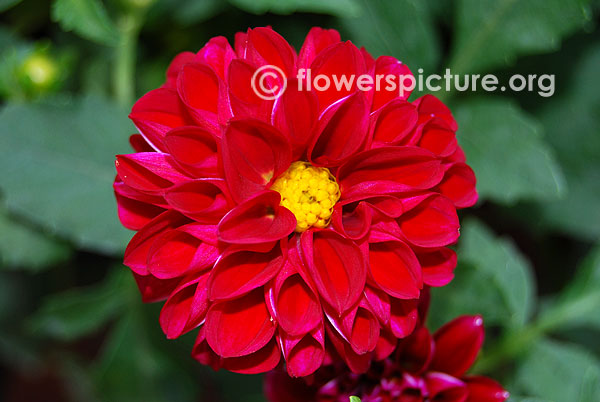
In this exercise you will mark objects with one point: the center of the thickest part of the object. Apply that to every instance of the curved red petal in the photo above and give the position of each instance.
(150, 172)
(457, 344)
(437, 266)
(445, 388)
(153, 289)
(259, 219)
(202, 200)
(395, 269)
(239, 272)
(261, 361)
(199, 88)
(297, 308)
(404, 317)
(316, 41)
(389, 170)
(254, 155)
(433, 223)
(267, 47)
(484, 389)
(239, 327)
(458, 184)
(387, 66)
(218, 54)
(341, 132)
(337, 267)
(394, 122)
(175, 67)
(415, 352)
(195, 149)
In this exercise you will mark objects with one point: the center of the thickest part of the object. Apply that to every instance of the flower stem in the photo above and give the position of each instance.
(125, 55)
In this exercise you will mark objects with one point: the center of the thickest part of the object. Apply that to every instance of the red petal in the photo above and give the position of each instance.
(266, 46)
(254, 155)
(261, 361)
(199, 87)
(295, 115)
(457, 344)
(297, 308)
(353, 224)
(433, 223)
(239, 327)
(445, 388)
(337, 267)
(438, 138)
(185, 309)
(316, 41)
(415, 352)
(202, 200)
(385, 345)
(395, 269)
(157, 112)
(153, 289)
(341, 132)
(139, 143)
(429, 107)
(259, 219)
(388, 66)
(356, 363)
(217, 53)
(437, 266)
(136, 253)
(135, 214)
(175, 67)
(175, 253)
(483, 389)
(388, 170)
(203, 353)
(379, 303)
(305, 356)
(148, 171)
(343, 60)
(459, 185)
(404, 317)
(361, 328)
(239, 272)
(244, 99)
(195, 149)
(394, 123)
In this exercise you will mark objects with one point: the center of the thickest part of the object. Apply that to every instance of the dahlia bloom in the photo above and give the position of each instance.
(287, 227)
(422, 368)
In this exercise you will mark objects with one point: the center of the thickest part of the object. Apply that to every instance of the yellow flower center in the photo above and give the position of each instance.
(309, 192)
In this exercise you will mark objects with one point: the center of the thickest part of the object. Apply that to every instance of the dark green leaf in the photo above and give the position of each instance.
(333, 7)
(6, 4)
(401, 28)
(560, 372)
(78, 312)
(23, 247)
(57, 163)
(572, 123)
(87, 18)
(492, 279)
(506, 150)
(492, 33)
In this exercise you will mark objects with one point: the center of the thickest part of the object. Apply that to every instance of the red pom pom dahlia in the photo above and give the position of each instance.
(284, 226)
(422, 368)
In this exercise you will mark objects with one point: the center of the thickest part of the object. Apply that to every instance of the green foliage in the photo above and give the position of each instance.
(354, 399)
(64, 149)
(560, 372)
(402, 29)
(79, 312)
(21, 246)
(87, 18)
(506, 149)
(492, 279)
(492, 33)
(333, 7)
(6, 4)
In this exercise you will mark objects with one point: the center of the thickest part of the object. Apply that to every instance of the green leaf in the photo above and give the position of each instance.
(132, 368)
(6, 4)
(57, 164)
(526, 399)
(88, 18)
(579, 303)
(560, 372)
(23, 247)
(79, 312)
(492, 279)
(342, 8)
(354, 399)
(401, 28)
(572, 122)
(492, 33)
(506, 150)
(191, 11)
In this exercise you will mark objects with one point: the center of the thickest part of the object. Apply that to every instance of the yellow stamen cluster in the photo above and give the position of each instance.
(309, 192)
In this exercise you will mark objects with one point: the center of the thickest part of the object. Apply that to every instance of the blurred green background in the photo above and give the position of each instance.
(72, 326)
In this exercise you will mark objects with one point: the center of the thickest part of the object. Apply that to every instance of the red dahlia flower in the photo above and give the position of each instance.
(277, 224)
(422, 368)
